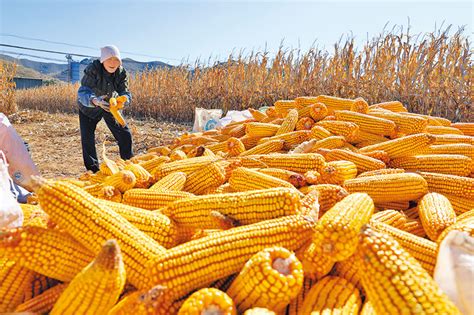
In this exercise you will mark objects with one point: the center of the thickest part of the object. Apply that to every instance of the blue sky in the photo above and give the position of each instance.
(173, 31)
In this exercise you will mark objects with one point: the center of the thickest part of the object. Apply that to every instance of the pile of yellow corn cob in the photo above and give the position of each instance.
(317, 205)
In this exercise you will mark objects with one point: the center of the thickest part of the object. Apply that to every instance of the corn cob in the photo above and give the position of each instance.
(122, 180)
(310, 205)
(405, 124)
(14, 281)
(436, 214)
(391, 217)
(207, 178)
(394, 281)
(344, 219)
(235, 146)
(186, 166)
(466, 128)
(328, 196)
(447, 139)
(394, 106)
(305, 100)
(362, 162)
(49, 252)
(137, 159)
(460, 205)
(289, 123)
(412, 213)
(383, 171)
(465, 224)
(271, 279)
(153, 223)
(454, 148)
(366, 137)
(422, 249)
(333, 142)
(318, 111)
(258, 311)
(154, 163)
(257, 115)
(405, 146)
(160, 150)
(348, 269)
(299, 163)
(396, 205)
(203, 233)
(453, 164)
(304, 123)
(414, 226)
(94, 189)
(292, 139)
(143, 177)
(467, 214)
(360, 106)
(311, 178)
(39, 284)
(97, 287)
(378, 155)
(316, 264)
(201, 151)
(257, 129)
(293, 178)
(152, 301)
(245, 207)
(172, 181)
(108, 167)
(367, 123)
(442, 130)
(34, 216)
(110, 193)
(226, 254)
(282, 107)
(303, 111)
(335, 103)
(337, 172)
(294, 308)
(318, 132)
(222, 189)
(244, 179)
(218, 147)
(44, 302)
(367, 309)
(152, 199)
(265, 148)
(346, 129)
(178, 155)
(390, 187)
(450, 184)
(208, 300)
(91, 223)
(332, 295)
(271, 111)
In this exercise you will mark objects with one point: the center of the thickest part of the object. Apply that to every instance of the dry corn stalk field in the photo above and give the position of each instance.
(318, 204)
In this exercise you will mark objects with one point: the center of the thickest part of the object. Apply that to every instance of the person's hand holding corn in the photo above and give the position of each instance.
(117, 104)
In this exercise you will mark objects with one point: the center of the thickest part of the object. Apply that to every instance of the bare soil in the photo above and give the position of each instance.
(55, 141)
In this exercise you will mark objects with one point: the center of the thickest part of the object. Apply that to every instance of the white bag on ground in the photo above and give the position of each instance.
(454, 271)
(234, 116)
(11, 214)
(206, 119)
(21, 166)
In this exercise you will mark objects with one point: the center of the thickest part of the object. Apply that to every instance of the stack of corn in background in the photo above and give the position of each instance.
(317, 204)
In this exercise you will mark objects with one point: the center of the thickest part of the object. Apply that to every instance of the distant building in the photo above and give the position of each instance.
(27, 83)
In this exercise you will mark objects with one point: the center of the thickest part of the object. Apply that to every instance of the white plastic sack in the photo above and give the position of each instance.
(206, 119)
(11, 214)
(233, 116)
(454, 271)
(21, 166)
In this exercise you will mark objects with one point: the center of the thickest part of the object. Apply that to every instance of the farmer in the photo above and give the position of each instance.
(102, 80)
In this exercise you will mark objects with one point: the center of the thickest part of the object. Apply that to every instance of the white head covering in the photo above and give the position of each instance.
(110, 51)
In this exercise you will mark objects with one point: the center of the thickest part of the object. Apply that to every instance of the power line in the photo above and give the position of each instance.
(82, 46)
(34, 56)
(48, 51)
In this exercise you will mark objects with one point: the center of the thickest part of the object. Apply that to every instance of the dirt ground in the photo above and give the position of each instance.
(55, 142)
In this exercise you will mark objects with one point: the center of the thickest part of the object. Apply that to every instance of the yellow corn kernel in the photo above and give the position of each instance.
(452, 164)
(367, 123)
(44, 302)
(289, 123)
(172, 181)
(208, 300)
(152, 199)
(122, 180)
(346, 129)
(402, 147)
(394, 106)
(363, 163)
(436, 214)
(450, 184)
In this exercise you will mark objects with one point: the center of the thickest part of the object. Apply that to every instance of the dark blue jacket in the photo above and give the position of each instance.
(98, 82)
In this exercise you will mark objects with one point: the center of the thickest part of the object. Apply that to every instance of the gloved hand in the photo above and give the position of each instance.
(100, 102)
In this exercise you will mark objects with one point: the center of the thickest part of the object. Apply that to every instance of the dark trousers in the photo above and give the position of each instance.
(88, 126)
